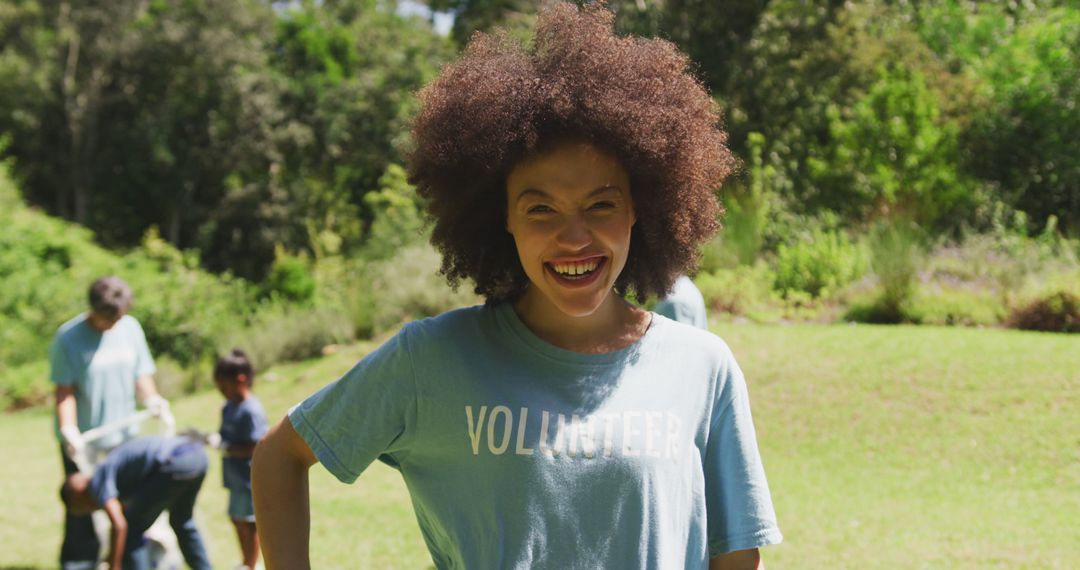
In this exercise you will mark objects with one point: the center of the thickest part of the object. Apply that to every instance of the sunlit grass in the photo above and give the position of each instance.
(885, 447)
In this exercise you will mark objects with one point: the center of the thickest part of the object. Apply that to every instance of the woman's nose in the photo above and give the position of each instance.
(574, 233)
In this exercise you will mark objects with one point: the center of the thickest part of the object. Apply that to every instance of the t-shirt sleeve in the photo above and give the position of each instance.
(738, 503)
(59, 365)
(144, 362)
(103, 482)
(368, 412)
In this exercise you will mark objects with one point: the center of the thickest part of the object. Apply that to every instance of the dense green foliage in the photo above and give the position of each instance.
(232, 126)
(237, 127)
(902, 162)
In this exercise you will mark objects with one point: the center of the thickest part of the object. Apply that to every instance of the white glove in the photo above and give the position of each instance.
(157, 405)
(74, 444)
(212, 439)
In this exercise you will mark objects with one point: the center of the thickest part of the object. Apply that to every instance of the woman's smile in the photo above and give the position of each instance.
(577, 272)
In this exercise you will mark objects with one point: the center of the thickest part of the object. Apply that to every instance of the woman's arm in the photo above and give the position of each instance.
(738, 560)
(279, 483)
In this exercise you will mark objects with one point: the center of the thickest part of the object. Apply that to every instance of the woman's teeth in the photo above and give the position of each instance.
(575, 269)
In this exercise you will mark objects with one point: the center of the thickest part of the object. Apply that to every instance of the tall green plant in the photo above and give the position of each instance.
(896, 252)
(397, 218)
(748, 213)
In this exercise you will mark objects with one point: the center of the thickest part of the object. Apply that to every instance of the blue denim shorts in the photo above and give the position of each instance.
(240, 505)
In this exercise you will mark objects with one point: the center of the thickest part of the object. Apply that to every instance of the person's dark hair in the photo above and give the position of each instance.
(502, 102)
(234, 364)
(66, 491)
(110, 296)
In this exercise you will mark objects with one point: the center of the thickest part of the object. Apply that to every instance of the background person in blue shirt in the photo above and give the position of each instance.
(243, 424)
(684, 304)
(100, 364)
(559, 425)
(137, 482)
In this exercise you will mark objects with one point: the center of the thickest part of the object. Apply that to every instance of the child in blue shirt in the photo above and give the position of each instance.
(243, 424)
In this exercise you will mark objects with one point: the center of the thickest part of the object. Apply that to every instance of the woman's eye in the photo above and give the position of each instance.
(602, 205)
(538, 209)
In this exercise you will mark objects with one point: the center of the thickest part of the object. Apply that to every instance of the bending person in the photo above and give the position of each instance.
(100, 363)
(136, 483)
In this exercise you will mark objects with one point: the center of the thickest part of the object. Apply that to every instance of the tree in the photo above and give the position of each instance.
(890, 155)
(147, 108)
(472, 16)
(350, 75)
(1025, 144)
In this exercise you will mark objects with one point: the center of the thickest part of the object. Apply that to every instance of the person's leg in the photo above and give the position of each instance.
(137, 558)
(242, 514)
(249, 541)
(141, 510)
(187, 468)
(80, 547)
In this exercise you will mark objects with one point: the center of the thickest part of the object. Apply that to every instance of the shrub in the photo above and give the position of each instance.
(290, 279)
(876, 310)
(280, 333)
(1058, 311)
(172, 380)
(1006, 260)
(744, 290)
(182, 308)
(25, 385)
(954, 306)
(408, 286)
(821, 262)
(398, 219)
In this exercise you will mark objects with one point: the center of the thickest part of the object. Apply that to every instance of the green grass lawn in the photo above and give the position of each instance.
(885, 447)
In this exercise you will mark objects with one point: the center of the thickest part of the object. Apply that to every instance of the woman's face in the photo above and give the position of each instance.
(570, 212)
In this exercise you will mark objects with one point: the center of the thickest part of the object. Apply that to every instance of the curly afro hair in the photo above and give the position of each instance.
(502, 102)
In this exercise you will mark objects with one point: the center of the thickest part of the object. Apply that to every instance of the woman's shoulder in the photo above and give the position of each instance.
(461, 324)
(684, 336)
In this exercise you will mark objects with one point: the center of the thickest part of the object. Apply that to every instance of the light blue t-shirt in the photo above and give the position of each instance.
(519, 454)
(103, 368)
(241, 423)
(684, 304)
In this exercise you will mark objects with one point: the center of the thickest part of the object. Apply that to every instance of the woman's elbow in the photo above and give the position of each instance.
(282, 448)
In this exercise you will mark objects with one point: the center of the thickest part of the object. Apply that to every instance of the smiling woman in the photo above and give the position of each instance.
(558, 425)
